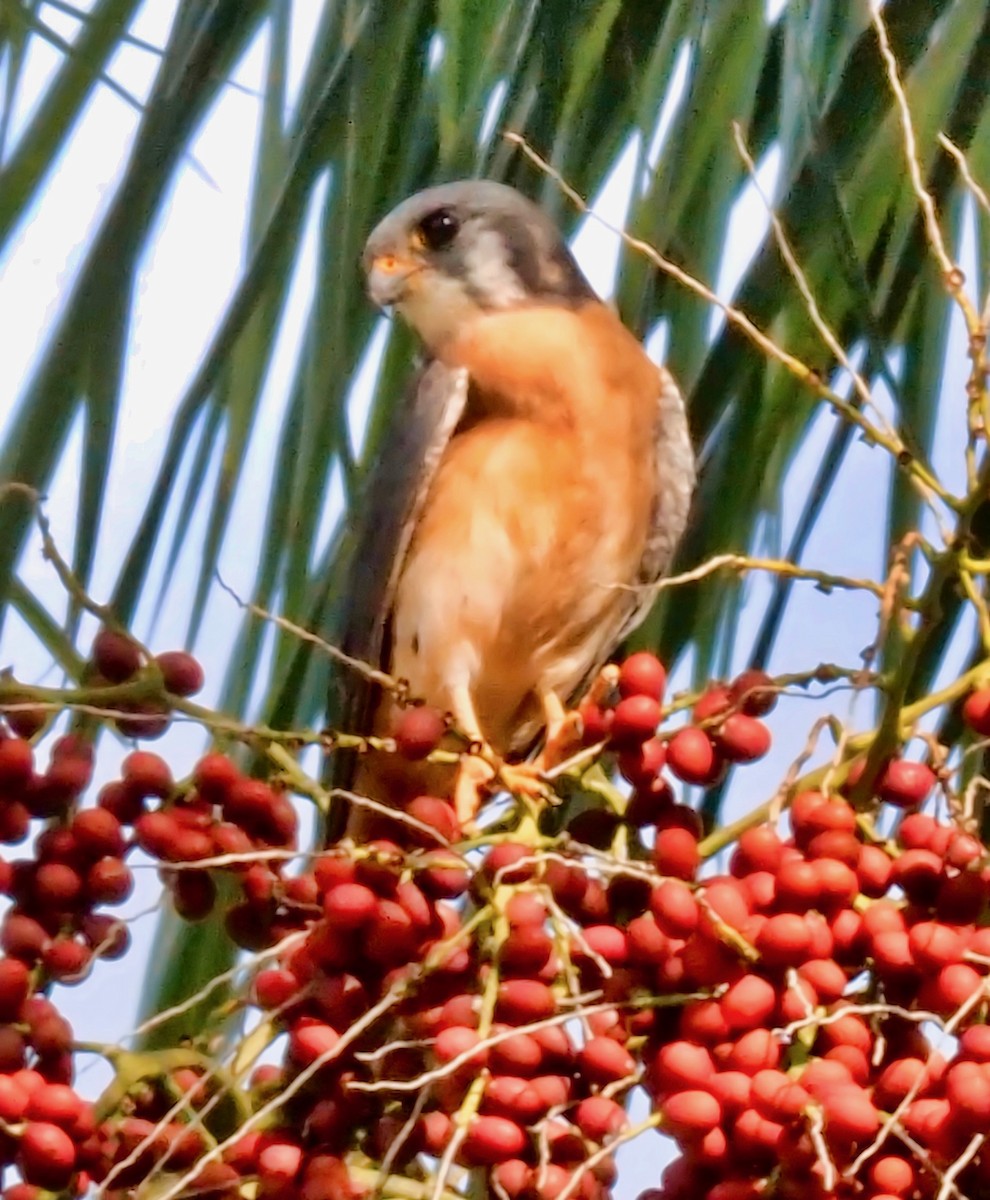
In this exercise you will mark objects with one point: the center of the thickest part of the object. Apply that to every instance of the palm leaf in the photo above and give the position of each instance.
(393, 97)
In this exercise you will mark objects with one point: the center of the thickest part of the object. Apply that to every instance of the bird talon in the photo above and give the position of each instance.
(524, 779)
(564, 739)
(474, 777)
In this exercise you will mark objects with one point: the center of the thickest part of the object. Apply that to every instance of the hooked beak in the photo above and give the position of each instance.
(388, 276)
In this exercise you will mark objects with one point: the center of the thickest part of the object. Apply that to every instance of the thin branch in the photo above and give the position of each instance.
(875, 437)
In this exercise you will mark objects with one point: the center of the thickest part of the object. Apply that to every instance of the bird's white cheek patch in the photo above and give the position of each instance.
(489, 274)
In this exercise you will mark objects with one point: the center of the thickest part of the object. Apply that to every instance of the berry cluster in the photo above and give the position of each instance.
(491, 1004)
(725, 726)
(469, 1058)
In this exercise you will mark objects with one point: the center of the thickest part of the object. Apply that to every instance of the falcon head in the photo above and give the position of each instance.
(453, 252)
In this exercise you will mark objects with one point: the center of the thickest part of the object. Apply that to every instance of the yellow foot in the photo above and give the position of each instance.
(480, 775)
(474, 775)
(563, 740)
(524, 779)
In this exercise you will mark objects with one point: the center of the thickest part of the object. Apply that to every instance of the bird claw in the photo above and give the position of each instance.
(524, 779)
(564, 739)
(481, 774)
(474, 775)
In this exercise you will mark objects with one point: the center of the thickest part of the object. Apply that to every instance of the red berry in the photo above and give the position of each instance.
(874, 871)
(146, 721)
(742, 739)
(596, 722)
(758, 849)
(350, 906)
(967, 1088)
(974, 1043)
(837, 883)
(609, 942)
(599, 1118)
(674, 908)
(918, 831)
(418, 732)
(641, 766)
(109, 881)
(310, 1041)
(15, 985)
(976, 711)
(24, 720)
(754, 1051)
(934, 946)
(691, 1114)
(97, 832)
(115, 655)
(493, 1140)
(526, 950)
(905, 784)
(692, 758)
(797, 885)
(892, 1176)
(46, 1155)
(675, 852)
(108, 937)
(642, 674)
(455, 1040)
(436, 814)
(16, 762)
(56, 1103)
(214, 776)
(918, 872)
(279, 1163)
(147, 774)
(525, 908)
(850, 1115)
(952, 987)
(499, 864)
(519, 1054)
(712, 703)
(23, 937)
(275, 987)
(603, 1061)
(826, 977)
(193, 894)
(56, 886)
(681, 1064)
(635, 721)
(776, 1097)
(521, 1001)
(14, 1099)
(181, 673)
(66, 960)
(754, 692)
(749, 1003)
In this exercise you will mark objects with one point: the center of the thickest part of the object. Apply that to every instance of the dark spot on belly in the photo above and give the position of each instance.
(415, 643)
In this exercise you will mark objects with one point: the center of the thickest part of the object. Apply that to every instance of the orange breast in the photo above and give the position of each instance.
(536, 517)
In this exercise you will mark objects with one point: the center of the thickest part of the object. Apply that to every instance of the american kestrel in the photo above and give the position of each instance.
(532, 487)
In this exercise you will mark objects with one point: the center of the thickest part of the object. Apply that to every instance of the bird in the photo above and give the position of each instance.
(530, 490)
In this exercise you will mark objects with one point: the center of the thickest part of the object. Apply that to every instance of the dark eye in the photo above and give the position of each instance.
(439, 228)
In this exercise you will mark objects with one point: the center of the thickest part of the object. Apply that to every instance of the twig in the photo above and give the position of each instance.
(811, 304)
(960, 1164)
(894, 446)
(389, 1000)
(893, 1121)
(372, 674)
(653, 1121)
